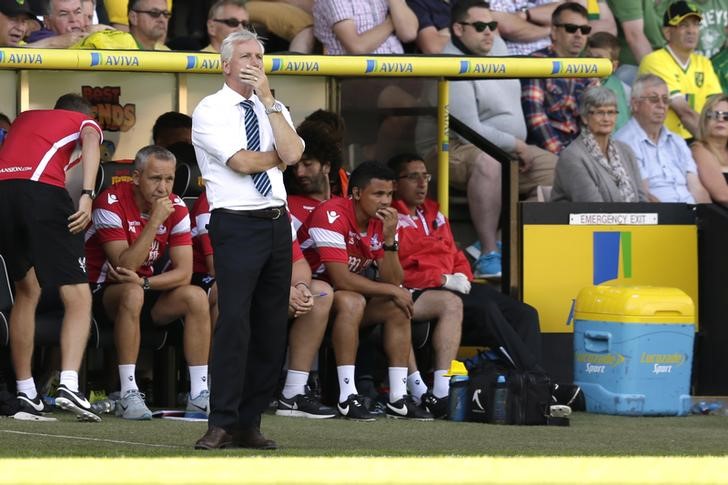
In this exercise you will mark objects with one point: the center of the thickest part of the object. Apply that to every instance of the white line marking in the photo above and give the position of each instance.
(85, 438)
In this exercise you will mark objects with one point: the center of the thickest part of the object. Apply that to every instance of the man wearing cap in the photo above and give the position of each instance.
(13, 18)
(689, 76)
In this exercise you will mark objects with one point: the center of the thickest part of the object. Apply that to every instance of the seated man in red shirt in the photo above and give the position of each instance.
(349, 234)
(431, 260)
(309, 304)
(133, 225)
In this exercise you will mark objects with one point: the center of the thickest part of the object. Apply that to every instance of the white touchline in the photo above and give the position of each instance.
(85, 438)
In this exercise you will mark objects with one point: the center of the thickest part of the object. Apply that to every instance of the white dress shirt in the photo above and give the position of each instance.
(665, 164)
(218, 132)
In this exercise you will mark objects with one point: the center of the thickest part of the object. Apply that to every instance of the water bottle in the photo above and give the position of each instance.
(458, 398)
(104, 406)
(500, 401)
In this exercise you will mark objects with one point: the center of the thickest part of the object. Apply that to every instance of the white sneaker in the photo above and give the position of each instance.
(199, 405)
(132, 406)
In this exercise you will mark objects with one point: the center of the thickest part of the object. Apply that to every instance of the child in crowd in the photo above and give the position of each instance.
(606, 45)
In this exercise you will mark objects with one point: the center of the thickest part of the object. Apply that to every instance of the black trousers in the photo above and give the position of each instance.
(253, 272)
(491, 317)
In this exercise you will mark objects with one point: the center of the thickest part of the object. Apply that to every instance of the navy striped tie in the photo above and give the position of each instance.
(260, 179)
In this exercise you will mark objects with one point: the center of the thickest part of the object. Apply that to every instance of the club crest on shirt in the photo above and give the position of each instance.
(374, 243)
(161, 229)
(699, 79)
(352, 238)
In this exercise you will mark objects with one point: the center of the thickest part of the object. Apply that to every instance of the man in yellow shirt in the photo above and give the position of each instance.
(148, 22)
(690, 77)
(118, 13)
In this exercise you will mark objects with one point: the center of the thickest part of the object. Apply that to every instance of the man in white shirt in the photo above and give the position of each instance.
(242, 137)
(665, 160)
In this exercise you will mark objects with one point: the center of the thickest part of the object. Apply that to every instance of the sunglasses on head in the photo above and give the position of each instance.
(481, 26)
(155, 14)
(718, 115)
(234, 23)
(572, 28)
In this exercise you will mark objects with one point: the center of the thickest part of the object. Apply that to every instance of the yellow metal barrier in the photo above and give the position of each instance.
(442, 67)
(300, 65)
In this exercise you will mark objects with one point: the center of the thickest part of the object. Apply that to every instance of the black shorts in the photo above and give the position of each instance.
(34, 220)
(97, 293)
(203, 280)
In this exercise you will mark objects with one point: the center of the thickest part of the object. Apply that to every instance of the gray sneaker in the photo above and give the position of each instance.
(131, 406)
(198, 406)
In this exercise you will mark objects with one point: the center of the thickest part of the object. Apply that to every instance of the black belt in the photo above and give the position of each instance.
(271, 213)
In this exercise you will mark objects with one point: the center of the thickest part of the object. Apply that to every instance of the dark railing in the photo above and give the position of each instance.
(509, 201)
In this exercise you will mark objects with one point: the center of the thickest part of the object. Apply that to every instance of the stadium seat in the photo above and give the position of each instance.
(113, 172)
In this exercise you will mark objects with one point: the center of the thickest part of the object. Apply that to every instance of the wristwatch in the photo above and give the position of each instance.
(391, 247)
(146, 285)
(276, 107)
(90, 192)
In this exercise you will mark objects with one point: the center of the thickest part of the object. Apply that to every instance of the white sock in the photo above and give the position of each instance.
(295, 383)
(69, 378)
(397, 383)
(441, 384)
(346, 381)
(127, 379)
(27, 387)
(198, 380)
(415, 386)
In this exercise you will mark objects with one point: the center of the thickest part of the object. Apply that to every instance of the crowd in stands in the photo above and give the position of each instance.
(655, 130)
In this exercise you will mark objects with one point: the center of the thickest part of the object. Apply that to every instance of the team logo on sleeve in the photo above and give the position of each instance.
(332, 216)
(111, 198)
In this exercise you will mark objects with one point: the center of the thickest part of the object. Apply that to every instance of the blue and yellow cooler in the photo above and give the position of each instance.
(633, 349)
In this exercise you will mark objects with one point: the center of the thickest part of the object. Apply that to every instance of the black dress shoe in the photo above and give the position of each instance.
(215, 438)
(253, 438)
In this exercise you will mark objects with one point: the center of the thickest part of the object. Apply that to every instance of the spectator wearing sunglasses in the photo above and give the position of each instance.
(224, 18)
(551, 106)
(118, 11)
(492, 108)
(689, 76)
(665, 161)
(711, 149)
(148, 20)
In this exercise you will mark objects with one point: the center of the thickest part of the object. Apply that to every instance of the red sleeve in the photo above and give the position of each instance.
(200, 218)
(108, 218)
(94, 125)
(179, 224)
(329, 236)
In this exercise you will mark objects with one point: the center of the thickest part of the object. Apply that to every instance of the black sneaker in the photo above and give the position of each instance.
(35, 406)
(406, 408)
(375, 407)
(304, 406)
(437, 406)
(76, 403)
(354, 408)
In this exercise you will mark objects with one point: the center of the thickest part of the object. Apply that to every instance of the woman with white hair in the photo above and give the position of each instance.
(595, 167)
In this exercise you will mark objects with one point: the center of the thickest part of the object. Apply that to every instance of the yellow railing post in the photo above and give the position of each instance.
(443, 146)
